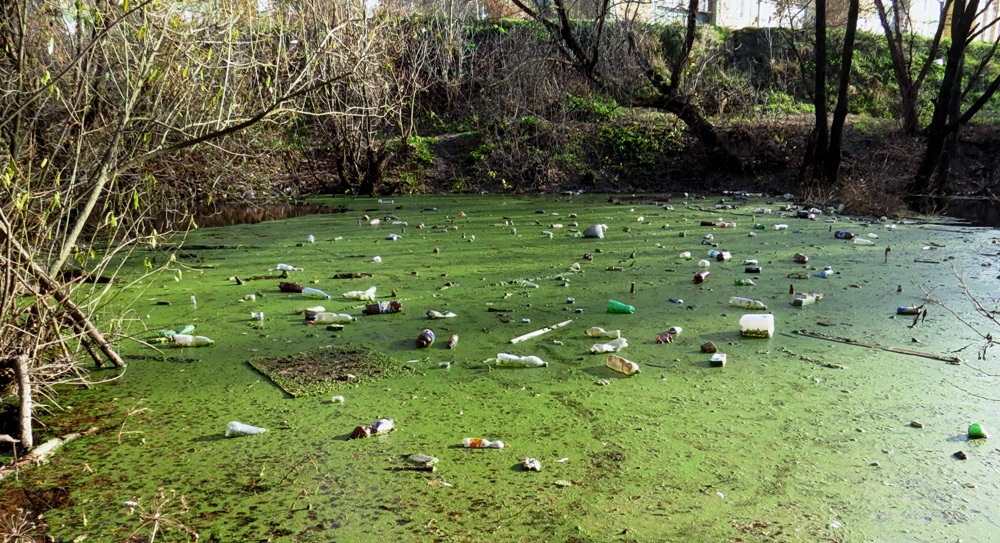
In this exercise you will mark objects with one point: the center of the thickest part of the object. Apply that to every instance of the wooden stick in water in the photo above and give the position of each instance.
(537, 333)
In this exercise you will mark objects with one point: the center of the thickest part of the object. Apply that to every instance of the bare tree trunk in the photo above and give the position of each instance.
(818, 158)
(833, 155)
(27, 406)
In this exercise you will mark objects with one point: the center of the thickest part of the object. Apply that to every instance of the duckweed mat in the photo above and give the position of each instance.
(318, 371)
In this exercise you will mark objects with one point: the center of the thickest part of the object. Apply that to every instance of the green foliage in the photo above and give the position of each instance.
(781, 103)
(628, 144)
(595, 107)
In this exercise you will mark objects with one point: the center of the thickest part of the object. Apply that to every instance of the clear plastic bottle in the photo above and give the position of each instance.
(326, 317)
(315, 293)
(361, 294)
(288, 267)
(622, 365)
(513, 361)
(610, 347)
(747, 303)
(597, 331)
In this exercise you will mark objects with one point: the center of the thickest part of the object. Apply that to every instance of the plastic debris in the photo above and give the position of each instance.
(610, 347)
(597, 331)
(621, 365)
(236, 429)
(506, 360)
(361, 294)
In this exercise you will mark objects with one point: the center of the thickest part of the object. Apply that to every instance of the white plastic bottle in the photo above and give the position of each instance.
(288, 267)
(513, 361)
(315, 293)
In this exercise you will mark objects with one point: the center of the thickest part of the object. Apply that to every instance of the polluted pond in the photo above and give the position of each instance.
(726, 368)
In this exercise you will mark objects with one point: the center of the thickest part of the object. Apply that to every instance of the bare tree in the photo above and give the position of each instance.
(967, 25)
(90, 93)
(901, 43)
(668, 92)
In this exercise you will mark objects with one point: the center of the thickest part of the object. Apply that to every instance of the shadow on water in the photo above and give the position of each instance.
(974, 210)
(232, 214)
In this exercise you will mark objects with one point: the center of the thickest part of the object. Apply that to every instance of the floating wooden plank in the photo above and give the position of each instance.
(537, 333)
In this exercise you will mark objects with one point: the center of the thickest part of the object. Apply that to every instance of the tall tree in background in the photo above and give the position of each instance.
(942, 134)
(825, 154)
(669, 93)
(894, 25)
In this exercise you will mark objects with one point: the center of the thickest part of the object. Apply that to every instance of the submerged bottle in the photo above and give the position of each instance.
(513, 361)
(383, 307)
(622, 365)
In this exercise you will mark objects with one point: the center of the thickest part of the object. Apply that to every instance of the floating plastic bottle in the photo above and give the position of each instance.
(843, 235)
(311, 238)
(289, 287)
(700, 277)
(597, 331)
(452, 341)
(976, 431)
(288, 267)
(621, 365)
(704, 263)
(750, 262)
(747, 303)
(425, 339)
(759, 325)
(187, 340)
(800, 258)
(781, 227)
(482, 443)
(744, 282)
(806, 298)
(383, 426)
(236, 429)
(863, 241)
(312, 309)
(620, 308)
(513, 361)
(826, 273)
(434, 314)
(383, 307)
(361, 294)
(724, 256)
(315, 293)
(686, 255)
(909, 309)
(325, 317)
(610, 347)
(713, 253)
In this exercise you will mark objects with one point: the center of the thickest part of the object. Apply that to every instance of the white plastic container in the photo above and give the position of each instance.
(360, 294)
(686, 255)
(288, 267)
(757, 325)
(704, 263)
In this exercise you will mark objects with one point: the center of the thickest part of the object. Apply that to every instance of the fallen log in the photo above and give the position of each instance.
(42, 453)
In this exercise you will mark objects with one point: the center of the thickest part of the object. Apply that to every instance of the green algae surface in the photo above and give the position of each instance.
(795, 439)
